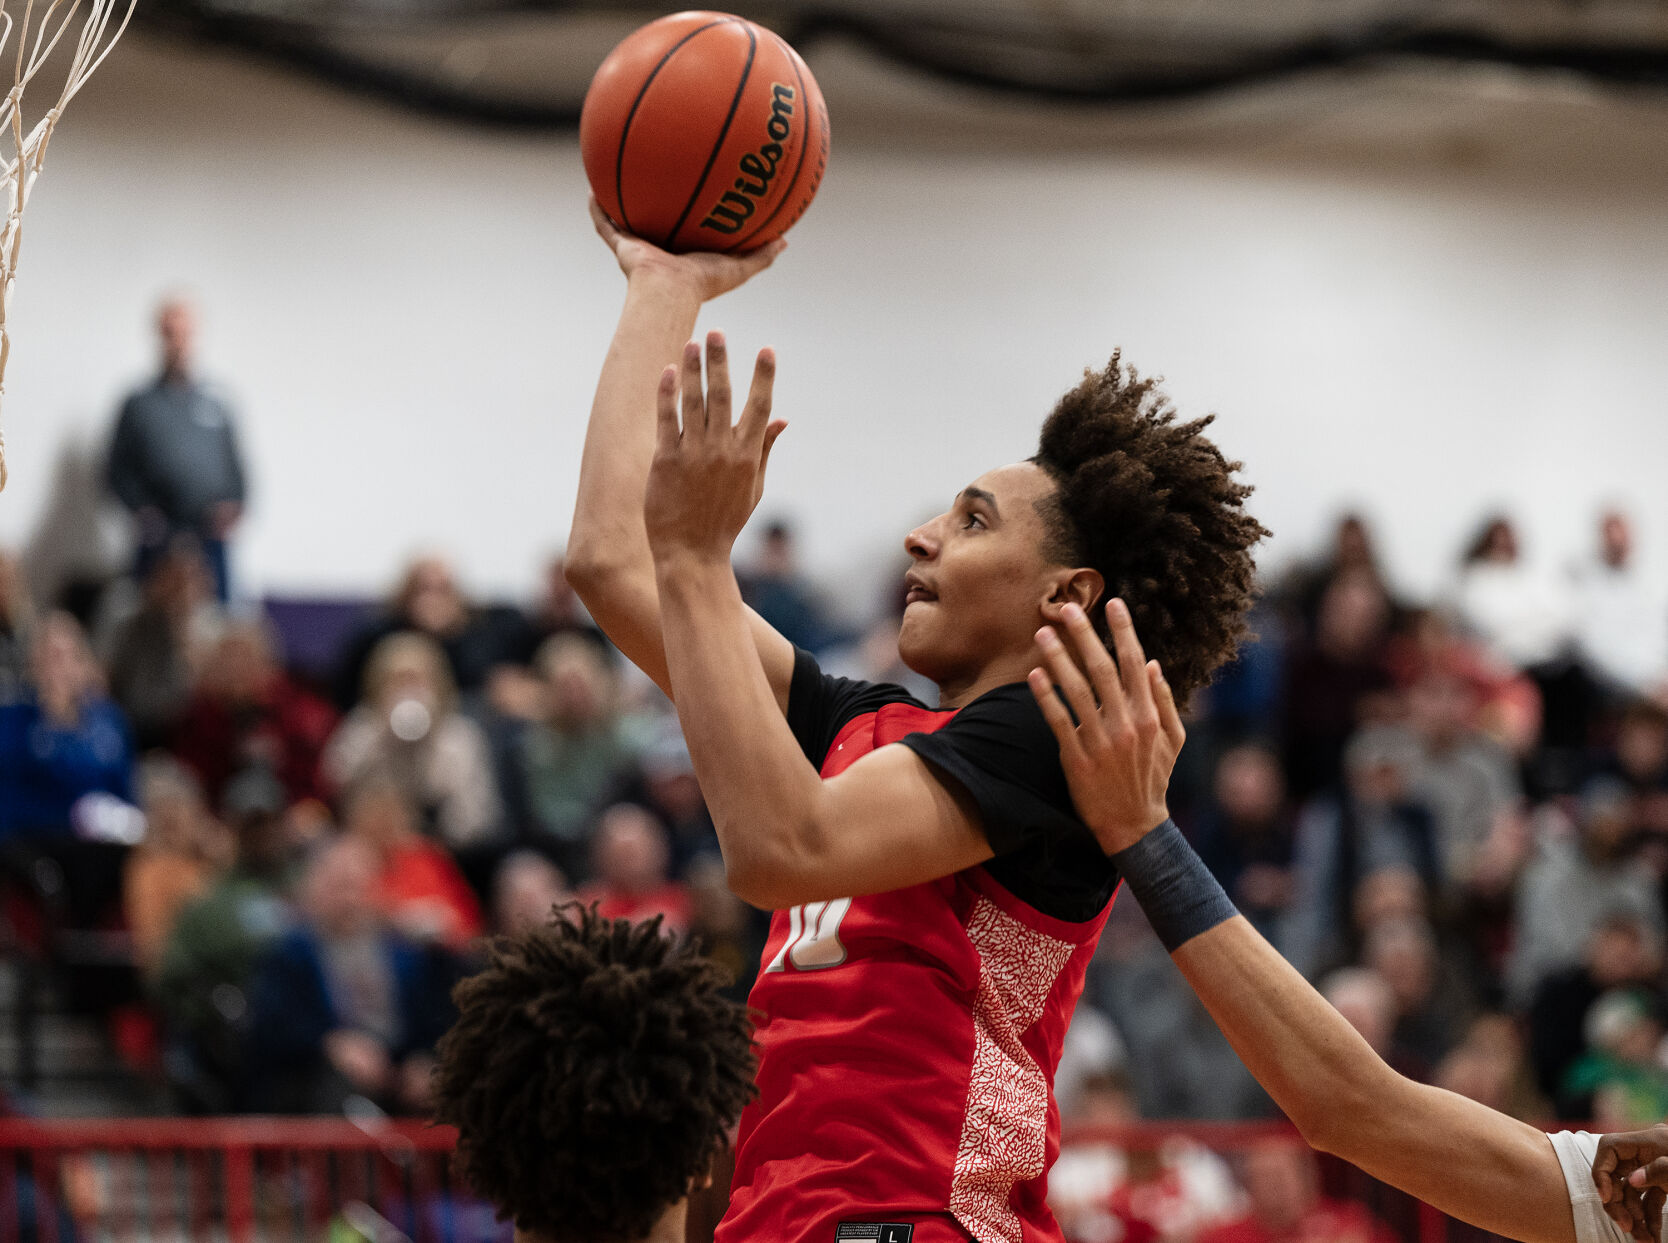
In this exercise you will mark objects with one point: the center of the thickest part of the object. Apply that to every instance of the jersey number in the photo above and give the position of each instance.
(813, 937)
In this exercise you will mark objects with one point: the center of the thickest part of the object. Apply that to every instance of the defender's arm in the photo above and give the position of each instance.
(1467, 1160)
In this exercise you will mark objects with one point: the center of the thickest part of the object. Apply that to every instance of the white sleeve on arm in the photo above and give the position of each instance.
(1576, 1151)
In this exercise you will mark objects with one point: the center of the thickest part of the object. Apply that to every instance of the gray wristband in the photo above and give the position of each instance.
(1174, 887)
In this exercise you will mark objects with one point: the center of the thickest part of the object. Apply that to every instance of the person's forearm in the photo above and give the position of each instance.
(658, 318)
(1461, 1157)
(1465, 1159)
(760, 789)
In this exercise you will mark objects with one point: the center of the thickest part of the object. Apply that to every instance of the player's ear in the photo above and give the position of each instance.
(1082, 586)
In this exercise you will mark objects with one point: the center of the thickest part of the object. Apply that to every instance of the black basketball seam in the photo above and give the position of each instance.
(735, 102)
(625, 130)
(804, 150)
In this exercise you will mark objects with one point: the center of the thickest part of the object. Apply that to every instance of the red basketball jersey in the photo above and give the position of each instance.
(906, 1055)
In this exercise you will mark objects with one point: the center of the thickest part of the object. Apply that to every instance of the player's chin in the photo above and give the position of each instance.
(920, 646)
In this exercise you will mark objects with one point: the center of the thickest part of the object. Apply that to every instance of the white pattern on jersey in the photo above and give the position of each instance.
(1576, 1151)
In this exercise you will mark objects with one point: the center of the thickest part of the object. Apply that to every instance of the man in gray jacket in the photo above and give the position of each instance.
(174, 460)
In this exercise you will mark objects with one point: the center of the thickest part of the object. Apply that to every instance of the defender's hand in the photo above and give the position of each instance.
(1119, 753)
(1631, 1174)
(706, 274)
(707, 476)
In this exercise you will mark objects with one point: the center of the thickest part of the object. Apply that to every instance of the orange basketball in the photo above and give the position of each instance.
(703, 131)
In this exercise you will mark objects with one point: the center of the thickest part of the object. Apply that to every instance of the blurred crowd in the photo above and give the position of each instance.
(1451, 814)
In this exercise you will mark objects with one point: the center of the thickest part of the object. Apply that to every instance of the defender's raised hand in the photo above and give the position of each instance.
(708, 474)
(1123, 743)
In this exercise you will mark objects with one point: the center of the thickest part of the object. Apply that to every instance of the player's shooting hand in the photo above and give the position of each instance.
(1119, 751)
(1631, 1174)
(708, 474)
(706, 274)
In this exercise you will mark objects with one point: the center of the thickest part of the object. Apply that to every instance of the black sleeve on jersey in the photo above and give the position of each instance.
(820, 706)
(1000, 750)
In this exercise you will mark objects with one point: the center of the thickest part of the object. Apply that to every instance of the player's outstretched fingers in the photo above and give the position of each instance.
(666, 410)
(1054, 712)
(1169, 716)
(718, 380)
(755, 416)
(1080, 698)
(774, 430)
(694, 400)
(1132, 661)
(1102, 669)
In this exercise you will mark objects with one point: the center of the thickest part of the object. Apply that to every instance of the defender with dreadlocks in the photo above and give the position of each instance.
(936, 897)
(594, 1072)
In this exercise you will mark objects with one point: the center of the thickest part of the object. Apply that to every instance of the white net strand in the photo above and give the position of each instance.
(36, 41)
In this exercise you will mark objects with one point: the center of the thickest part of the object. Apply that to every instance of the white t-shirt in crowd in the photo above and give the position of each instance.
(1576, 1151)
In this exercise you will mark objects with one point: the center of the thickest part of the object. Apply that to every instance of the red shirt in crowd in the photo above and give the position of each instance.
(1329, 1221)
(283, 729)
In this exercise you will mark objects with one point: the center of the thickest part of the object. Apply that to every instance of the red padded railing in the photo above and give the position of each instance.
(256, 1178)
(235, 1178)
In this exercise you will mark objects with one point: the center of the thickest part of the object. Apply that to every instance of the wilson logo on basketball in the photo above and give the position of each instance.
(758, 168)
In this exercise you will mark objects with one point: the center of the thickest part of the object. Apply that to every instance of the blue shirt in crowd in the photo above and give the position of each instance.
(45, 766)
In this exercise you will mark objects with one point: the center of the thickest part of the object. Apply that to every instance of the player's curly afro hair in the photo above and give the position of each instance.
(1154, 506)
(593, 1074)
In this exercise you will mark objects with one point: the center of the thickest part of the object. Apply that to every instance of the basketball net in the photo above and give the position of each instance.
(21, 164)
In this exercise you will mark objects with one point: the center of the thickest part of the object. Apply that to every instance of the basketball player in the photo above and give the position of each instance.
(936, 898)
(594, 1071)
(1469, 1161)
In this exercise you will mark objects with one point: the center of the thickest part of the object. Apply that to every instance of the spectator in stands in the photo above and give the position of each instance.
(1373, 825)
(202, 982)
(419, 888)
(1366, 1000)
(1469, 783)
(66, 779)
(429, 602)
(724, 926)
(1490, 1065)
(557, 611)
(1639, 756)
(1351, 555)
(342, 1005)
(1621, 1071)
(184, 850)
(1283, 1185)
(1506, 603)
(525, 890)
(1432, 1005)
(1368, 1004)
(1508, 704)
(1245, 835)
(633, 880)
(174, 459)
(156, 653)
(248, 713)
(1625, 951)
(574, 760)
(1620, 618)
(408, 728)
(668, 788)
(1574, 885)
(17, 615)
(1181, 1066)
(1335, 681)
(779, 593)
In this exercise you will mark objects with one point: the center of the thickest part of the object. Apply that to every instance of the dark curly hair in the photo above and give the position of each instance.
(1154, 506)
(593, 1073)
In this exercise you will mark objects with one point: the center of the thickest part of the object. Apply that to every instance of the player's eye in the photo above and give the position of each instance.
(973, 520)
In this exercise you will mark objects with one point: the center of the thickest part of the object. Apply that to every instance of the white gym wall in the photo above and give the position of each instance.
(1423, 294)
